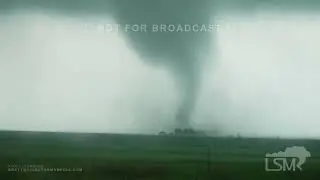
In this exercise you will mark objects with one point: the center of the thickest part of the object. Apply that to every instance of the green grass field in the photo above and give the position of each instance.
(142, 157)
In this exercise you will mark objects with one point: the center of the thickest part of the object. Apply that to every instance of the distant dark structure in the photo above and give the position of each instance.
(183, 132)
(162, 133)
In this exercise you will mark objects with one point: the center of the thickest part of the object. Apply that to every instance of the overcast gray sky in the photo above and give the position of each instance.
(261, 77)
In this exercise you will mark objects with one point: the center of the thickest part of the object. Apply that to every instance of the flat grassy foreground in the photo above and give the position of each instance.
(141, 157)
